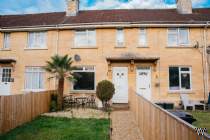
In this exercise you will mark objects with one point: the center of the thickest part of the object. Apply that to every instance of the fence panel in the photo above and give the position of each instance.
(18, 109)
(156, 123)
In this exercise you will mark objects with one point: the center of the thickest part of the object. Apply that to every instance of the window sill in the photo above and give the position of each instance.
(180, 46)
(119, 47)
(33, 90)
(84, 48)
(5, 49)
(180, 92)
(142, 46)
(83, 91)
(35, 48)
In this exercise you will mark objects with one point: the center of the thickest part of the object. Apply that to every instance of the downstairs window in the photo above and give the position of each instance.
(34, 78)
(85, 78)
(180, 78)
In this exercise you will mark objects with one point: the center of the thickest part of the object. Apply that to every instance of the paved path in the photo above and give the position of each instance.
(124, 126)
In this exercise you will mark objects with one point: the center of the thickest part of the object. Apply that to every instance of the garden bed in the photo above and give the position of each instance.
(79, 113)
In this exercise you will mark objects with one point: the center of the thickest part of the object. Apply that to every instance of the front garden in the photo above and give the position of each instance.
(52, 128)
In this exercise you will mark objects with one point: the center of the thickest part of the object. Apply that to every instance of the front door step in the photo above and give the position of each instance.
(117, 106)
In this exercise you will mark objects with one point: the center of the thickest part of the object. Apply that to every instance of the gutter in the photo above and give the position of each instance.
(103, 25)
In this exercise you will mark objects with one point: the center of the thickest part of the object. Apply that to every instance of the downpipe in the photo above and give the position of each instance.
(205, 62)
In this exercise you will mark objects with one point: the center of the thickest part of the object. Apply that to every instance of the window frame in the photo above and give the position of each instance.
(41, 70)
(87, 44)
(120, 44)
(142, 31)
(180, 82)
(178, 44)
(41, 47)
(6, 41)
(85, 70)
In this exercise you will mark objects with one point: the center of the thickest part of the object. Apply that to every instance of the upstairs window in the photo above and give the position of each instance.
(85, 78)
(34, 78)
(120, 38)
(178, 36)
(142, 37)
(37, 40)
(85, 38)
(6, 41)
(180, 78)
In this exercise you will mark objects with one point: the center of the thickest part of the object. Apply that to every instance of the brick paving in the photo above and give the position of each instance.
(124, 126)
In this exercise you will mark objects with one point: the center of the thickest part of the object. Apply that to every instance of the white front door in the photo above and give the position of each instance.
(143, 82)
(120, 80)
(5, 77)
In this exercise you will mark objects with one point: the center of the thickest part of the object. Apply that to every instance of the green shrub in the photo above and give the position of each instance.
(105, 91)
(53, 103)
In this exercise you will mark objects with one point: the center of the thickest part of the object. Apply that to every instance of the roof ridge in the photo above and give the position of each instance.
(32, 14)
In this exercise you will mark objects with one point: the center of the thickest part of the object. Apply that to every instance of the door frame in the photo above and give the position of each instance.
(125, 68)
(138, 68)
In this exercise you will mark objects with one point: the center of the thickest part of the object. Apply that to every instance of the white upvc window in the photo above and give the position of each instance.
(178, 36)
(34, 78)
(142, 37)
(6, 41)
(37, 40)
(180, 78)
(120, 38)
(85, 78)
(85, 38)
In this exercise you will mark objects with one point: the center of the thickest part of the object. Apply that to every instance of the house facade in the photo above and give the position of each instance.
(159, 53)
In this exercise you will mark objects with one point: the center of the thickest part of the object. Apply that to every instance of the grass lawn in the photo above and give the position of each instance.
(48, 128)
(203, 119)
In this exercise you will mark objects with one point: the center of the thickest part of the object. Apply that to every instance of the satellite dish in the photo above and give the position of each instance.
(77, 58)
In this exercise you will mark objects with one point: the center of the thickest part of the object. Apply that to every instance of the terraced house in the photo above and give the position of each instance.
(159, 53)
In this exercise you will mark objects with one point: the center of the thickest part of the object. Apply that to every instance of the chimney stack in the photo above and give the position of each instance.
(184, 6)
(72, 7)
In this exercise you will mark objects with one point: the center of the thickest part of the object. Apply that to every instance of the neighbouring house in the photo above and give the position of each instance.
(159, 53)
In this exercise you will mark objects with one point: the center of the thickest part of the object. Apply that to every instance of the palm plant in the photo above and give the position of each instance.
(61, 68)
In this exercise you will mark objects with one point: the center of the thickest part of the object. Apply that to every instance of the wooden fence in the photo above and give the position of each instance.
(156, 123)
(18, 109)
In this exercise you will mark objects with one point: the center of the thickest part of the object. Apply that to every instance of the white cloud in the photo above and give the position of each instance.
(199, 3)
(132, 4)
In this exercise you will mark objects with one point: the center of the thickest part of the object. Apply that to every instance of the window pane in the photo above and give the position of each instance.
(142, 37)
(31, 40)
(183, 36)
(172, 36)
(185, 69)
(81, 38)
(37, 40)
(43, 40)
(34, 78)
(41, 80)
(174, 78)
(185, 81)
(84, 81)
(120, 37)
(6, 40)
(91, 38)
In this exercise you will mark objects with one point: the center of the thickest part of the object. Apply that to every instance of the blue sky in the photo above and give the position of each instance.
(37, 6)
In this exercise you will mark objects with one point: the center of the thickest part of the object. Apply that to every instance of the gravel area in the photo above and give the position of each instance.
(79, 113)
(124, 126)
